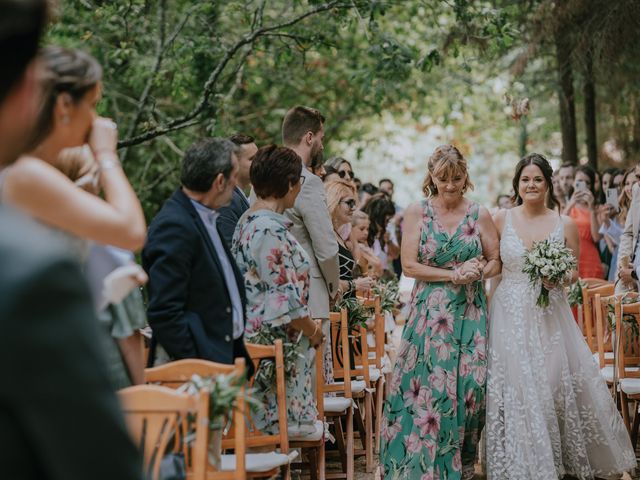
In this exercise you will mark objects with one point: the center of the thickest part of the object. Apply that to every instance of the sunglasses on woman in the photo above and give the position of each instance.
(351, 203)
(344, 173)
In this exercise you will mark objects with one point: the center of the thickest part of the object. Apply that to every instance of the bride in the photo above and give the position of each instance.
(549, 413)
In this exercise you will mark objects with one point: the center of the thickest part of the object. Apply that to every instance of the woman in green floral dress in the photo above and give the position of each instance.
(435, 411)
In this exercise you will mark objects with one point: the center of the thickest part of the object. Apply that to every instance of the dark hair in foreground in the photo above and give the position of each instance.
(21, 25)
(204, 161)
(543, 164)
(379, 207)
(273, 170)
(68, 71)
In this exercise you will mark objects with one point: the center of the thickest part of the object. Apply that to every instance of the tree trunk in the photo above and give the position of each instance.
(590, 112)
(524, 136)
(566, 99)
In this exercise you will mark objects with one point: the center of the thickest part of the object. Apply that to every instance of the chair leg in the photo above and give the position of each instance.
(378, 416)
(340, 442)
(625, 410)
(313, 464)
(368, 400)
(350, 455)
(321, 462)
(636, 424)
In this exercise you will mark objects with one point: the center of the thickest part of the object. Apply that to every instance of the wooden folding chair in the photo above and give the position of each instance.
(157, 417)
(375, 357)
(176, 374)
(314, 445)
(594, 286)
(604, 356)
(341, 407)
(628, 361)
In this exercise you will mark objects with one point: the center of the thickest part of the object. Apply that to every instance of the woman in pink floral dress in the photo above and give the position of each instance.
(435, 412)
(276, 278)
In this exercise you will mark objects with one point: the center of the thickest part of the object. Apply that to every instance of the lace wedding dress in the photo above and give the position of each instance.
(549, 413)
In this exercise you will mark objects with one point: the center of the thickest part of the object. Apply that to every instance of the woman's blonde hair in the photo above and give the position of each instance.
(78, 165)
(446, 160)
(336, 190)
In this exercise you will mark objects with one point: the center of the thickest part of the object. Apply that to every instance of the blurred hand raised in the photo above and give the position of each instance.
(104, 136)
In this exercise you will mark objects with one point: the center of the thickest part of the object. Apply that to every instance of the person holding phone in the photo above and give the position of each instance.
(582, 208)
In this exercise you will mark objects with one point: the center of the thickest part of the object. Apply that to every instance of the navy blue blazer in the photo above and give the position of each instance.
(230, 215)
(189, 308)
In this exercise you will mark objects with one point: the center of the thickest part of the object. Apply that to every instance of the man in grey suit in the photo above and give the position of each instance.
(303, 132)
(229, 215)
(58, 410)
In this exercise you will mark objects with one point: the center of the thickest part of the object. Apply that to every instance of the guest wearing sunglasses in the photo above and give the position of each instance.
(341, 200)
(342, 167)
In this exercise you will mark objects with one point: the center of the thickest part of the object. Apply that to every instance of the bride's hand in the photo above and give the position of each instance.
(549, 285)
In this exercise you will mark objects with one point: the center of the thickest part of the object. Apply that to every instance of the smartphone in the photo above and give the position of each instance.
(612, 198)
(581, 185)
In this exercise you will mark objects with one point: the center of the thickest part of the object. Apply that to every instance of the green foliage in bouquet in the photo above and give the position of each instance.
(389, 294)
(574, 294)
(357, 314)
(629, 321)
(223, 390)
(551, 260)
(266, 373)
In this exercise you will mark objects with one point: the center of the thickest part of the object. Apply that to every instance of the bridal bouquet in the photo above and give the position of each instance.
(551, 260)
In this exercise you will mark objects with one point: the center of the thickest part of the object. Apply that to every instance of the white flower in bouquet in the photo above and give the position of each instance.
(550, 260)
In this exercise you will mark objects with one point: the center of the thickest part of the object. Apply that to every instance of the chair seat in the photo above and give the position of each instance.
(374, 374)
(357, 386)
(607, 372)
(336, 404)
(299, 435)
(607, 356)
(630, 386)
(256, 462)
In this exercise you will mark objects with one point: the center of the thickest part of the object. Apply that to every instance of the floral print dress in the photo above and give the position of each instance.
(435, 411)
(276, 278)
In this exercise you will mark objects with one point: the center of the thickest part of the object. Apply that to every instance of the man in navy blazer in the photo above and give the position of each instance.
(197, 300)
(230, 215)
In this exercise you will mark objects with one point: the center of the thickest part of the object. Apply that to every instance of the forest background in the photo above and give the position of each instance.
(393, 78)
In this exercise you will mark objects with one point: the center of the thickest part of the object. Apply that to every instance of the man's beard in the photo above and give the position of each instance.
(316, 158)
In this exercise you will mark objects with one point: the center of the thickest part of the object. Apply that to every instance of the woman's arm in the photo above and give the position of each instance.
(309, 328)
(572, 241)
(490, 244)
(46, 194)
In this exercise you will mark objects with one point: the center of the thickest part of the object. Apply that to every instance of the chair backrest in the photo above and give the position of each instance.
(604, 289)
(627, 338)
(158, 416)
(256, 438)
(378, 332)
(601, 306)
(176, 374)
(339, 333)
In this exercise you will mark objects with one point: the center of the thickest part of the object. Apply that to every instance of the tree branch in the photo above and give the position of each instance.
(208, 89)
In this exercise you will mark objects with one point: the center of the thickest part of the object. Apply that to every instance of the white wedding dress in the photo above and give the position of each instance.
(549, 412)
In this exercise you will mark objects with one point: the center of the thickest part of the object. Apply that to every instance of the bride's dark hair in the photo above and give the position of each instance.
(544, 165)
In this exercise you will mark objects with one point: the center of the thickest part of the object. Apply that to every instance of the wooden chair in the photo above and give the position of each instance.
(604, 355)
(314, 445)
(594, 286)
(339, 408)
(628, 353)
(375, 357)
(157, 417)
(175, 374)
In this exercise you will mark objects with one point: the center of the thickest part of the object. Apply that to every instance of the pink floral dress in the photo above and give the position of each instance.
(435, 411)
(276, 278)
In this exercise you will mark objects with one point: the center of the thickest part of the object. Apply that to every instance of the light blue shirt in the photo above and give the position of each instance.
(209, 218)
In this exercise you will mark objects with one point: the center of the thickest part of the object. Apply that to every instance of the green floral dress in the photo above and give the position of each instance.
(276, 278)
(435, 411)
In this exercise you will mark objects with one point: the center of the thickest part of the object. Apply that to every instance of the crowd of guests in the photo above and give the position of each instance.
(253, 240)
(599, 203)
